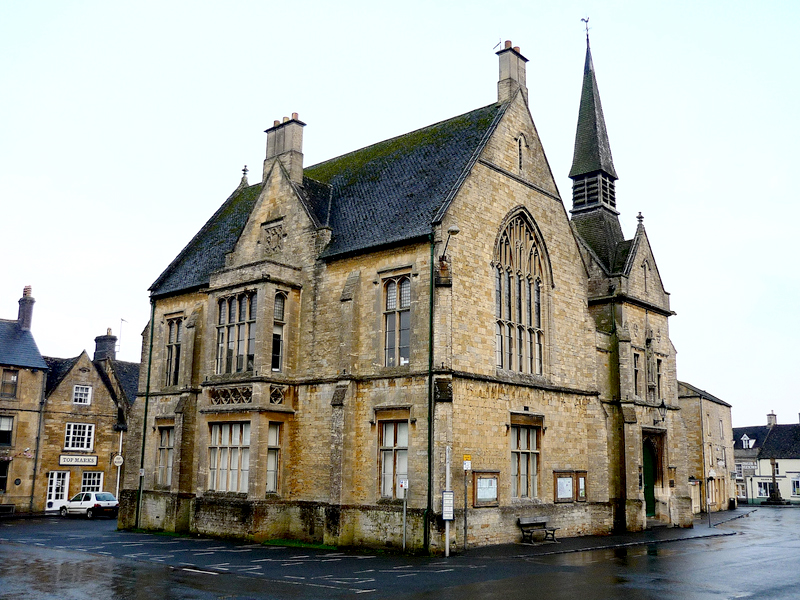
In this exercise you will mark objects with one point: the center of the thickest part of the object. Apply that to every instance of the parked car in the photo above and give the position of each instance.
(91, 504)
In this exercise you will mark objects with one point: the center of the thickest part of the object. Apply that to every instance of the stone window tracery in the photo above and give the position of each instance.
(519, 276)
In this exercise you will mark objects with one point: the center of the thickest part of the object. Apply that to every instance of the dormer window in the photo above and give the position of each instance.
(747, 443)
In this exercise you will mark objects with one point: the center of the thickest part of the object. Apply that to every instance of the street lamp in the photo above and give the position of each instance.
(662, 412)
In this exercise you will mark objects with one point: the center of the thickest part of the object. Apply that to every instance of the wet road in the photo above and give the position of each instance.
(75, 558)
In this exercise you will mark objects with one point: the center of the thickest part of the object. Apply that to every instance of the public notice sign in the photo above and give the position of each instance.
(447, 505)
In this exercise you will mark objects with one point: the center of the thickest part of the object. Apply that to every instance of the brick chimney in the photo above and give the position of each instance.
(25, 309)
(285, 142)
(105, 346)
(772, 419)
(512, 74)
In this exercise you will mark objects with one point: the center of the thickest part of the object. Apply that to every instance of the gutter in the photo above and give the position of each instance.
(144, 419)
(429, 508)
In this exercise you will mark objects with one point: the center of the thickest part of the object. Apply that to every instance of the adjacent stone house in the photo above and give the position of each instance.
(767, 461)
(61, 419)
(710, 444)
(341, 335)
(84, 420)
(22, 381)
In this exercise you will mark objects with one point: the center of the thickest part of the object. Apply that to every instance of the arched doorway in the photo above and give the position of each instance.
(649, 473)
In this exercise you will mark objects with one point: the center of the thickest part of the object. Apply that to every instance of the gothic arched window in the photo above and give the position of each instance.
(519, 277)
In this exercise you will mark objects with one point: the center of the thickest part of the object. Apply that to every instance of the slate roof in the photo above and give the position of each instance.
(206, 252)
(783, 441)
(385, 194)
(754, 432)
(393, 191)
(696, 391)
(601, 231)
(128, 376)
(59, 367)
(592, 149)
(18, 348)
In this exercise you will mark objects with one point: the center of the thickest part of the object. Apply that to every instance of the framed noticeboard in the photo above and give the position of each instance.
(570, 486)
(484, 488)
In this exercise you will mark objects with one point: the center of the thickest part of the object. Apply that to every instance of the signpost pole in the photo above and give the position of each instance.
(404, 483)
(467, 468)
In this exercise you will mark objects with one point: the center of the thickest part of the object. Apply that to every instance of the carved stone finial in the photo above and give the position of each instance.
(640, 218)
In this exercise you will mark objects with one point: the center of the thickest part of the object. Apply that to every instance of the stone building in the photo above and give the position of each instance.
(84, 418)
(61, 419)
(23, 372)
(767, 462)
(324, 343)
(710, 443)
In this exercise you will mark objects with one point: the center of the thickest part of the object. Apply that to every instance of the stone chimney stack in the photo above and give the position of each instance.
(285, 142)
(25, 309)
(105, 346)
(772, 419)
(512, 74)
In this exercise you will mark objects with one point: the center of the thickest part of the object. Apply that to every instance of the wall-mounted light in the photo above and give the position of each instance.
(451, 231)
(662, 412)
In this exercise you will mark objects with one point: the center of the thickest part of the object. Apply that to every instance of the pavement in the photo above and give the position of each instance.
(656, 535)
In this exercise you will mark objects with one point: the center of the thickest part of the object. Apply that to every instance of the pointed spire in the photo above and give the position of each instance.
(592, 150)
(592, 172)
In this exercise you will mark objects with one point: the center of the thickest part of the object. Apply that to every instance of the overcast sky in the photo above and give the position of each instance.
(124, 126)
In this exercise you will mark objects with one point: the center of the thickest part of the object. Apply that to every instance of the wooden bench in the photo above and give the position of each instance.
(531, 525)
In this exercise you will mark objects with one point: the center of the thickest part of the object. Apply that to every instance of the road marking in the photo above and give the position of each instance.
(203, 553)
(293, 577)
(407, 575)
(200, 571)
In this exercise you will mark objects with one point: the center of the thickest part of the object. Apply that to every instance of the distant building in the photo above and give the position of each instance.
(22, 381)
(61, 420)
(761, 449)
(323, 344)
(709, 442)
(85, 418)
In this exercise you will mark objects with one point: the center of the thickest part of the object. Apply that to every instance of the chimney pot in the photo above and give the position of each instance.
(26, 291)
(516, 48)
(275, 123)
(285, 119)
(508, 43)
(772, 419)
(294, 116)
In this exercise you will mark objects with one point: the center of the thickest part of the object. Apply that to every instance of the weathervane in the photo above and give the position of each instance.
(586, 20)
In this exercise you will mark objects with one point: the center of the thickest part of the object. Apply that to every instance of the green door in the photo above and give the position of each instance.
(649, 474)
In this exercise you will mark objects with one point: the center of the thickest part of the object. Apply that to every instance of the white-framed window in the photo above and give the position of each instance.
(82, 394)
(6, 428)
(397, 321)
(173, 349)
(8, 384)
(278, 326)
(765, 488)
(524, 461)
(273, 457)
(393, 457)
(79, 436)
(739, 471)
(166, 448)
(229, 457)
(236, 333)
(796, 487)
(92, 481)
(519, 317)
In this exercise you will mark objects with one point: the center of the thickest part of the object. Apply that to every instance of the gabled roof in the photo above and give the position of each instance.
(390, 192)
(783, 441)
(59, 367)
(592, 149)
(18, 348)
(206, 252)
(696, 391)
(384, 194)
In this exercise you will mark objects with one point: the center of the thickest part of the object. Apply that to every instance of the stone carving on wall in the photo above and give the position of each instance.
(277, 394)
(231, 395)
(273, 237)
